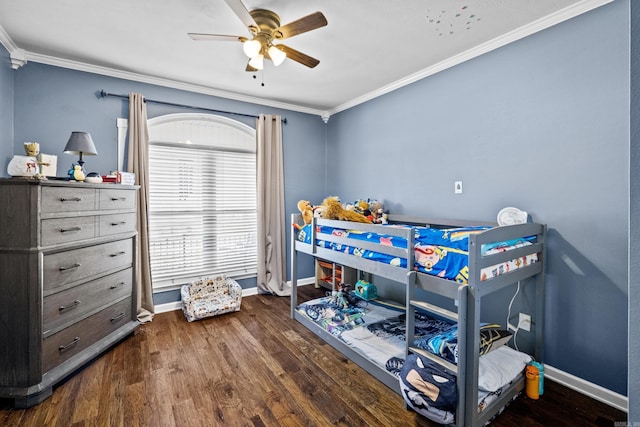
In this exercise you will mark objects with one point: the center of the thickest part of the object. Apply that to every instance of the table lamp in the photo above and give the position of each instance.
(80, 143)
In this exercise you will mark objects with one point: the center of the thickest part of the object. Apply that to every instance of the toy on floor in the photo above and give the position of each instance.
(210, 297)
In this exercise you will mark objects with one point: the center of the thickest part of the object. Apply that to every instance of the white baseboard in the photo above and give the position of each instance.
(587, 388)
(170, 306)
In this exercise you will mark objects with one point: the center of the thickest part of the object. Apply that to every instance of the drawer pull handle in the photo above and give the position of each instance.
(117, 254)
(64, 308)
(118, 317)
(71, 267)
(115, 199)
(72, 344)
(66, 230)
(115, 224)
(73, 199)
(117, 286)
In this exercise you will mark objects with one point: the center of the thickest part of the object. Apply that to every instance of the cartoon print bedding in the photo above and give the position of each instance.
(377, 331)
(438, 252)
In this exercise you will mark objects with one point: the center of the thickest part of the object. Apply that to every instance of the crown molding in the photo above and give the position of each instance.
(6, 41)
(505, 39)
(158, 81)
(19, 57)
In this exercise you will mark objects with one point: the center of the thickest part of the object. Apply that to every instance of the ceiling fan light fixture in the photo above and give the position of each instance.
(276, 55)
(257, 62)
(252, 48)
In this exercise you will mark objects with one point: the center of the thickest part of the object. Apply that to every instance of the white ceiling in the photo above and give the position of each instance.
(369, 47)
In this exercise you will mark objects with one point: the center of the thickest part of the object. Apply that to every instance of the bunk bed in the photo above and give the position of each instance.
(494, 257)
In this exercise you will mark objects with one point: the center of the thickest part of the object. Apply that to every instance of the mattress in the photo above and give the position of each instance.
(376, 330)
(439, 252)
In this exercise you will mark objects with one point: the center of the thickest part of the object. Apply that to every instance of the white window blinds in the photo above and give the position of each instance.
(202, 209)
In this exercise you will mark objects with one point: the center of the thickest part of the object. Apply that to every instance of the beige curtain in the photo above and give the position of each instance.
(272, 246)
(137, 161)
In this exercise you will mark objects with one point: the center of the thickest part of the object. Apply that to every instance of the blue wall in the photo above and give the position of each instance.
(541, 124)
(6, 110)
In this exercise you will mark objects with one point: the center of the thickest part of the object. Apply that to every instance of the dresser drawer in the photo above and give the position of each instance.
(70, 341)
(68, 199)
(117, 199)
(63, 268)
(116, 223)
(71, 305)
(65, 230)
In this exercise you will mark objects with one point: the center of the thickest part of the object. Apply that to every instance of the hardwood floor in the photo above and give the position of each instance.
(256, 367)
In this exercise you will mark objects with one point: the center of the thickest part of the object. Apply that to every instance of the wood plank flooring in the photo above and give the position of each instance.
(256, 367)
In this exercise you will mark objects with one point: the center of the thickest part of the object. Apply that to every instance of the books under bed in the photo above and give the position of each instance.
(448, 365)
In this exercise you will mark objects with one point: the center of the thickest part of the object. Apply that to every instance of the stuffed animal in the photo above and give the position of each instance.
(332, 209)
(362, 207)
(379, 215)
(305, 208)
(76, 173)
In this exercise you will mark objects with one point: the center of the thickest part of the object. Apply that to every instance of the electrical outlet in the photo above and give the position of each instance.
(524, 322)
(457, 187)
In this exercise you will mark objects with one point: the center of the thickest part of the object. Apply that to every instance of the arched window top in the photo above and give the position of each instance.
(201, 129)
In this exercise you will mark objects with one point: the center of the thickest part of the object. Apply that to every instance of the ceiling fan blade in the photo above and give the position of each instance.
(241, 12)
(299, 26)
(217, 37)
(299, 56)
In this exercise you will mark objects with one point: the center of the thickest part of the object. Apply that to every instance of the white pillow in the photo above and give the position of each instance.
(499, 367)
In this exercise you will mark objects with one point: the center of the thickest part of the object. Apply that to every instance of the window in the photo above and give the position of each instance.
(202, 198)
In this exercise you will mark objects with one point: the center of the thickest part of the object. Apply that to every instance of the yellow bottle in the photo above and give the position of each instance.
(532, 386)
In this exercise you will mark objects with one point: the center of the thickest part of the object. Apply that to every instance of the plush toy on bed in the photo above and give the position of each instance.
(332, 209)
(362, 206)
(305, 208)
(379, 215)
(338, 298)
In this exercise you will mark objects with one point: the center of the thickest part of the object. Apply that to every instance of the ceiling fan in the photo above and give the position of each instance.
(264, 26)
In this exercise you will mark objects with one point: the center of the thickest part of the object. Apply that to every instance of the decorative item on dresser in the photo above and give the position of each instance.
(79, 143)
(67, 291)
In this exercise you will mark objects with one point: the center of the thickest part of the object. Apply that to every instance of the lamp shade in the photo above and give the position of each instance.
(257, 62)
(276, 55)
(252, 48)
(80, 143)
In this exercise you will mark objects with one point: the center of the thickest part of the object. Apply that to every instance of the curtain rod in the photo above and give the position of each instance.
(104, 94)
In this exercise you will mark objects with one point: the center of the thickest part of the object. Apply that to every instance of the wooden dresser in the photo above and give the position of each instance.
(66, 291)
